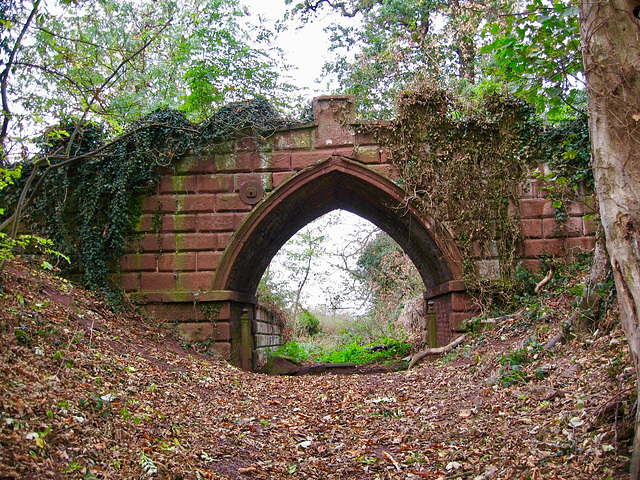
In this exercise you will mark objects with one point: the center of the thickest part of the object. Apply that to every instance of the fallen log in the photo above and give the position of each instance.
(435, 351)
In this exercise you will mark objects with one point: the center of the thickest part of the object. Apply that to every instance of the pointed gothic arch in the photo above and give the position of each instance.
(334, 183)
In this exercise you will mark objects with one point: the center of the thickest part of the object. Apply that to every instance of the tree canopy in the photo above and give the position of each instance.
(116, 60)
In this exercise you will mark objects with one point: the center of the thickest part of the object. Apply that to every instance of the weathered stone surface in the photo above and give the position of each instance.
(203, 331)
(280, 366)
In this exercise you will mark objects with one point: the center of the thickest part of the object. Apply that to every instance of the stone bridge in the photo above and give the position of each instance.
(221, 213)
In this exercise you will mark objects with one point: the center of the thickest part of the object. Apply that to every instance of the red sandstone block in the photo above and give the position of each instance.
(170, 262)
(365, 139)
(229, 202)
(158, 281)
(217, 222)
(162, 242)
(172, 312)
(536, 208)
(589, 226)
(197, 241)
(202, 202)
(365, 154)
(179, 223)
(462, 302)
(215, 183)
(202, 331)
(208, 260)
(275, 161)
(386, 169)
(178, 184)
(146, 223)
(330, 136)
(130, 282)
(223, 240)
(280, 177)
(573, 227)
(551, 229)
(581, 243)
(250, 144)
(238, 162)
(300, 160)
(196, 164)
(138, 263)
(194, 281)
(160, 203)
(531, 228)
(264, 178)
(456, 320)
(301, 139)
(546, 246)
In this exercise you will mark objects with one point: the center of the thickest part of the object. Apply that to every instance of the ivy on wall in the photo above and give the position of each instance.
(90, 207)
(462, 163)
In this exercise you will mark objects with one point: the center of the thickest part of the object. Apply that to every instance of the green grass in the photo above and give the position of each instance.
(352, 352)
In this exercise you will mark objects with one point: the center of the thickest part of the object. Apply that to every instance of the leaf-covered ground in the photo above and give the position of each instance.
(85, 393)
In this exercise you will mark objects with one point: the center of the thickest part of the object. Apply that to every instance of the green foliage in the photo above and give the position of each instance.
(43, 248)
(352, 352)
(364, 354)
(567, 153)
(309, 323)
(293, 349)
(512, 371)
(270, 292)
(396, 44)
(538, 53)
(192, 55)
(389, 276)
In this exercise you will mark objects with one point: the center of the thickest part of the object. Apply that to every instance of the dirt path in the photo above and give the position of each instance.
(88, 394)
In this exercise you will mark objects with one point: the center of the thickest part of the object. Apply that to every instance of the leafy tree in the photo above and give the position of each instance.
(386, 271)
(399, 43)
(309, 323)
(537, 52)
(109, 61)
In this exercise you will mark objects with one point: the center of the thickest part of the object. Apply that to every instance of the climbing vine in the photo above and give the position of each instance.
(462, 164)
(90, 207)
(569, 176)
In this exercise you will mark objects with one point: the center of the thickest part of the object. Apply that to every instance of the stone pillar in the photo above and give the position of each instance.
(245, 360)
(451, 305)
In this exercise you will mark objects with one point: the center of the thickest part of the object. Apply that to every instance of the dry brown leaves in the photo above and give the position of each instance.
(85, 393)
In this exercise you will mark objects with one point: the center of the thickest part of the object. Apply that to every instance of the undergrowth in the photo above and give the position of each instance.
(386, 349)
(523, 325)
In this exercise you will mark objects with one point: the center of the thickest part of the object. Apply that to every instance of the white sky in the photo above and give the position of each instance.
(305, 48)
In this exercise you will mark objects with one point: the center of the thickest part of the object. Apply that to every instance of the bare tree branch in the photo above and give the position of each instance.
(4, 78)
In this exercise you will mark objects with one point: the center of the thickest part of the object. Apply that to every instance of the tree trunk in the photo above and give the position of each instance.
(611, 54)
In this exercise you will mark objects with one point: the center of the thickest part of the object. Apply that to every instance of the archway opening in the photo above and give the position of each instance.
(341, 280)
(336, 183)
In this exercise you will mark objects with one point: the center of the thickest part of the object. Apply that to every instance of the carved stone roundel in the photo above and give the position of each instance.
(251, 192)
